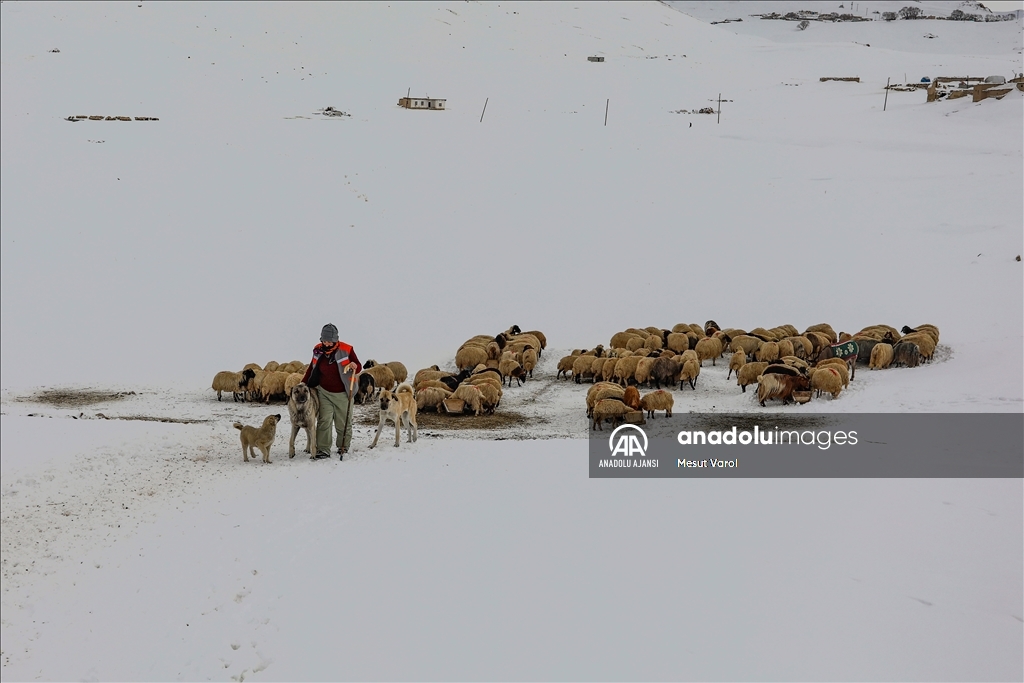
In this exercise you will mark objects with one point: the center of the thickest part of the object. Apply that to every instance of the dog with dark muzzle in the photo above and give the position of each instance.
(303, 408)
(400, 408)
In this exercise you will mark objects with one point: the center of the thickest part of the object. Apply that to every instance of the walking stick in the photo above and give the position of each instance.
(348, 416)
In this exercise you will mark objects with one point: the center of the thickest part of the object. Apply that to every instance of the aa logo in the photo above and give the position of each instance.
(627, 443)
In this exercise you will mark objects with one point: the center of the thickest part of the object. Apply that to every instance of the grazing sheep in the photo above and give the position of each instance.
(925, 343)
(272, 366)
(273, 385)
(429, 373)
(469, 356)
(365, 389)
(512, 370)
(631, 397)
(786, 348)
(608, 409)
(635, 343)
(780, 387)
(235, 382)
(840, 365)
(565, 367)
(433, 384)
(881, 357)
(827, 379)
(541, 338)
(768, 352)
(749, 373)
(708, 348)
(399, 371)
(625, 369)
(802, 346)
(665, 371)
(493, 350)
(601, 385)
(382, 375)
(690, 372)
(907, 354)
(607, 370)
(762, 334)
(678, 342)
(689, 354)
(642, 374)
(613, 391)
(473, 397)
(529, 360)
(597, 368)
(654, 343)
(738, 360)
(795, 362)
(657, 400)
(581, 368)
(490, 394)
(431, 397)
(252, 388)
(818, 341)
(826, 329)
(253, 366)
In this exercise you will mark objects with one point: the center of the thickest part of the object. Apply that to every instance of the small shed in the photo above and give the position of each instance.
(595, 58)
(422, 103)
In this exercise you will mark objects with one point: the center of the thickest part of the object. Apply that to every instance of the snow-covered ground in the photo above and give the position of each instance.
(140, 258)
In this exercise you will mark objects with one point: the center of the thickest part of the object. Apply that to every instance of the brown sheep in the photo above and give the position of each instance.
(472, 396)
(828, 380)
(565, 367)
(433, 372)
(780, 387)
(749, 345)
(469, 356)
(881, 357)
(749, 373)
(708, 348)
(625, 369)
(431, 397)
(383, 377)
(690, 372)
(631, 397)
(678, 342)
(399, 371)
(642, 374)
(665, 371)
(612, 391)
(511, 370)
(607, 370)
(529, 360)
(768, 352)
(608, 409)
(840, 365)
(738, 360)
(657, 400)
(235, 382)
(581, 368)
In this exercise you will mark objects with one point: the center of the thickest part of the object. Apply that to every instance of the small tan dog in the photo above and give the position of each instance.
(400, 408)
(262, 438)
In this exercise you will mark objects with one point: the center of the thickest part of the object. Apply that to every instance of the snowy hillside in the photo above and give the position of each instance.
(139, 258)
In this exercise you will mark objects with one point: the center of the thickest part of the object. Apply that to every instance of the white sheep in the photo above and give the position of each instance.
(737, 361)
(234, 382)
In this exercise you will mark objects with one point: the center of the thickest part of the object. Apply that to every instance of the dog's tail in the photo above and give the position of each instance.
(403, 387)
(238, 425)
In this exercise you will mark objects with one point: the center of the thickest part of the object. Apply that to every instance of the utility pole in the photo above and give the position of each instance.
(606, 110)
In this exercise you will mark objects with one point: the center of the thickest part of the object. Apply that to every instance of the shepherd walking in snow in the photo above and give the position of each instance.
(332, 372)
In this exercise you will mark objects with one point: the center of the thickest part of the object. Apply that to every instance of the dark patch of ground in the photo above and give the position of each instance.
(433, 420)
(75, 398)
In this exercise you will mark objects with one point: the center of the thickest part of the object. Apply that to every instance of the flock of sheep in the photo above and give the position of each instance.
(784, 363)
(485, 363)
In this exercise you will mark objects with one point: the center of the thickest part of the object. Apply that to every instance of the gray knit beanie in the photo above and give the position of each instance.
(329, 334)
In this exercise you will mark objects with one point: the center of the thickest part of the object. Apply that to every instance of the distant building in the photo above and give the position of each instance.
(595, 59)
(421, 103)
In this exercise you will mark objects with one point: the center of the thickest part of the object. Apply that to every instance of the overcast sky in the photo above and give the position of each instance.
(1004, 5)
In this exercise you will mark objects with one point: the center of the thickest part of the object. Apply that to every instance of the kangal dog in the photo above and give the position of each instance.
(303, 408)
(400, 408)
(262, 438)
